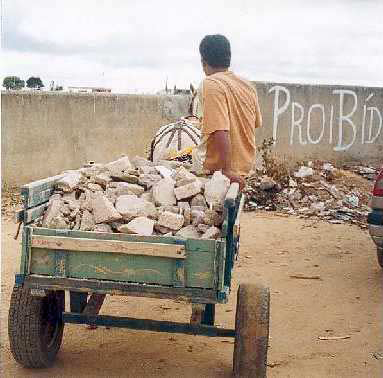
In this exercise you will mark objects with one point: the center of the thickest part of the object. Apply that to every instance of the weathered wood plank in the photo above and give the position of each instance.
(19, 216)
(34, 213)
(110, 236)
(232, 195)
(93, 245)
(196, 295)
(237, 219)
(191, 244)
(39, 185)
(36, 198)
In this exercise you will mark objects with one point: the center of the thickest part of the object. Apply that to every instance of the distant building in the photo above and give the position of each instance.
(89, 90)
(174, 91)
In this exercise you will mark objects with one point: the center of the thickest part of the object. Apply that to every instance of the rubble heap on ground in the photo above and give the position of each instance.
(137, 197)
(314, 189)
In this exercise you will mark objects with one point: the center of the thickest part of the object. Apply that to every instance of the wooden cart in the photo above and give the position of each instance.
(91, 264)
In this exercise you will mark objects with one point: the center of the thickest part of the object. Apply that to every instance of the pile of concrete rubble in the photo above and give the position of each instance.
(314, 189)
(138, 197)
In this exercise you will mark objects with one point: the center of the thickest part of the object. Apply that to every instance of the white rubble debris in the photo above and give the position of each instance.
(131, 206)
(216, 188)
(304, 172)
(103, 227)
(188, 190)
(69, 181)
(163, 192)
(212, 233)
(170, 220)
(119, 166)
(103, 209)
(138, 197)
(188, 232)
(140, 225)
(87, 221)
(163, 171)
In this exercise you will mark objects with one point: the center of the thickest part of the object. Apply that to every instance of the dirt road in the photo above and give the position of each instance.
(346, 300)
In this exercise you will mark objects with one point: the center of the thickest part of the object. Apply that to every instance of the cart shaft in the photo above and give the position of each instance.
(147, 325)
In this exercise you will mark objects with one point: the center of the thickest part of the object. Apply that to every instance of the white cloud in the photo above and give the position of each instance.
(134, 45)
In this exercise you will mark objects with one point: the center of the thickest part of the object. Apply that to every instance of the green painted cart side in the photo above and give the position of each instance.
(97, 264)
(51, 256)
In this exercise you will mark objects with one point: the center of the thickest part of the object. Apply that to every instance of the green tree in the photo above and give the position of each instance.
(34, 82)
(13, 82)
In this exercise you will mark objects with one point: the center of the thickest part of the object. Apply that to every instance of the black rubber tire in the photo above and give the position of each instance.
(379, 254)
(35, 327)
(251, 331)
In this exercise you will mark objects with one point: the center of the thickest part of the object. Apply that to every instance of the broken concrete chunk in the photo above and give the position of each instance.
(103, 209)
(170, 220)
(188, 232)
(119, 166)
(164, 172)
(198, 200)
(161, 229)
(148, 180)
(131, 206)
(52, 212)
(138, 161)
(188, 190)
(123, 188)
(147, 196)
(183, 174)
(212, 233)
(172, 209)
(95, 187)
(203, 228)
(59, 223)
(103, 227)
(213, 218)
(163, 192)
(87, 221)
(304, 172)
(267, 183)
(147, 169)
(102, 179)
(140, 226)
(185, 210)
(216, 188)
(69, 181)
(197, 217)
(171, 164)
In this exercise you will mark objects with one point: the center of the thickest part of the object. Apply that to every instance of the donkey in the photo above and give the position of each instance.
(176, 140)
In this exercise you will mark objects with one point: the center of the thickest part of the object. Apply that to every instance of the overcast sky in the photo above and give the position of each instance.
(134, 45)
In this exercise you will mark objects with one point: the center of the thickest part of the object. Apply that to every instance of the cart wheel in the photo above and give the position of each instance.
(35, 327)
(251, 331)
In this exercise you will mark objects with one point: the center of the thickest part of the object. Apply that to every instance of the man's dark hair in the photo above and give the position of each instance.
(215, 50)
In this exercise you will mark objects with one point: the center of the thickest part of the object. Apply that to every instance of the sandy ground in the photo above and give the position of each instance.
(347, 300)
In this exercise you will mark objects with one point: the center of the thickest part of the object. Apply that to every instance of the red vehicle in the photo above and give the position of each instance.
(375, 217)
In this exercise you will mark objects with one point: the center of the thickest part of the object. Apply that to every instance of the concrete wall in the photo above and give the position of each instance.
(339, 123)
(45, 133)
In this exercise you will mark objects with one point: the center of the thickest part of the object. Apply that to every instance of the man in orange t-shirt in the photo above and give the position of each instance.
(230, 114)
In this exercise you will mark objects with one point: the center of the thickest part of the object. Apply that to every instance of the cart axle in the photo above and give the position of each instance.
(147, 325)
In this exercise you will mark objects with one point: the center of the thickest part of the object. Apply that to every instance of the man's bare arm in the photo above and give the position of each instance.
(218, 145)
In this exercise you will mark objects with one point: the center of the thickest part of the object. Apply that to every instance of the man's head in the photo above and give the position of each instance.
(215, 53)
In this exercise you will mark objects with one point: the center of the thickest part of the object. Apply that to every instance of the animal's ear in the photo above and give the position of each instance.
(192, 89)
